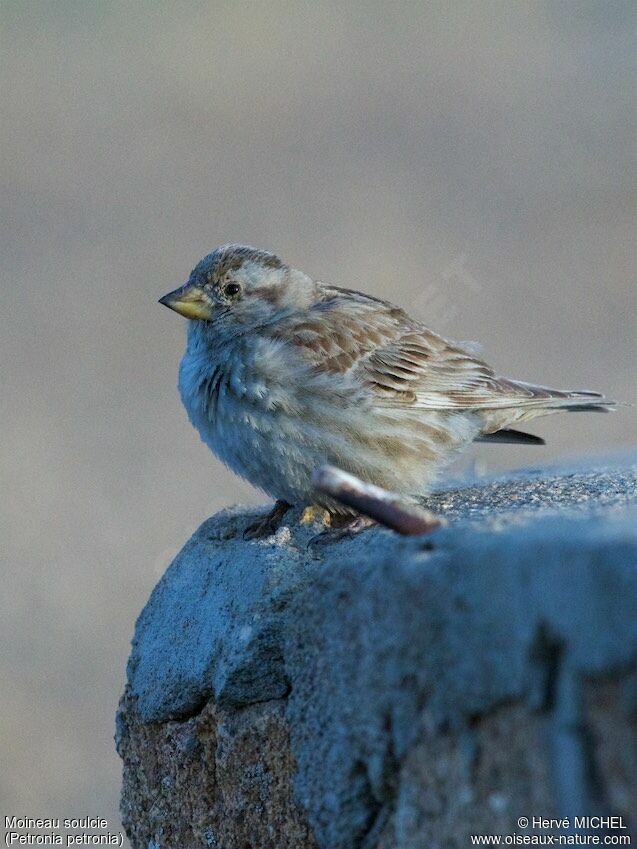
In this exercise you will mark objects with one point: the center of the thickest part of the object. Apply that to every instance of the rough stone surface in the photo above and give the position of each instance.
(219, 779)
(389, 692)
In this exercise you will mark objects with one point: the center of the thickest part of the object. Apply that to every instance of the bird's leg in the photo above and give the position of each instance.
(268, 524)
(336, 532)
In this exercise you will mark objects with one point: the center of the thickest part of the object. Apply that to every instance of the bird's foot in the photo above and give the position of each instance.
(315, 515)
(268, 524)
(344, 531)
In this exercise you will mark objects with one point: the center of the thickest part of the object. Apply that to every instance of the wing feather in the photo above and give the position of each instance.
(403, 363)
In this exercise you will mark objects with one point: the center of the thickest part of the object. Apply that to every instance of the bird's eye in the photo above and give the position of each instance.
(232, 289)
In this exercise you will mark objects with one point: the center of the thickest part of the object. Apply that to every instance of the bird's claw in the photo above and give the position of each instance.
(268, 524)
(331, 535)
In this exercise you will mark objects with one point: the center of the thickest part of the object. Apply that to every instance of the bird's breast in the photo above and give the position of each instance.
(233, 403)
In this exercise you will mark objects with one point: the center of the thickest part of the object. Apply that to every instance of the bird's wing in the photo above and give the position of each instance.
(403, 363)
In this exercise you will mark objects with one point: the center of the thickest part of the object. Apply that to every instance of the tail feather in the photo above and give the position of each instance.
(579, 400)
(520, 402)
(508, 436)
(601, 407)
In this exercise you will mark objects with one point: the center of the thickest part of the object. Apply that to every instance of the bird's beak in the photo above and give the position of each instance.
(190, 301)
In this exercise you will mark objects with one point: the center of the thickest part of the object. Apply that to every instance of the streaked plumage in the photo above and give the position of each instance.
(283, 374)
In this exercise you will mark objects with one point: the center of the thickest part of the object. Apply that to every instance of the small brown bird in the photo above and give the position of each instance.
(283, 374)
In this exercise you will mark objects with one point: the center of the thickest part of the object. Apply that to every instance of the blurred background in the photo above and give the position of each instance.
(471, 161)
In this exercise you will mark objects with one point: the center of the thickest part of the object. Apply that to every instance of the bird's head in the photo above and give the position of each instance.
(238, 288)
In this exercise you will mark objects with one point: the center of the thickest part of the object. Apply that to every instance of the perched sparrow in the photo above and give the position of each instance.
(283, 374)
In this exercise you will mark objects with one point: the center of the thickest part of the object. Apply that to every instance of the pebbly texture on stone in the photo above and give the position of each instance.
(218, 779)
(212, 626)
(384, 692)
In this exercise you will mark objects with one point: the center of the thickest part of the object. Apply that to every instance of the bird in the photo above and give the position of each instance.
(283, 373)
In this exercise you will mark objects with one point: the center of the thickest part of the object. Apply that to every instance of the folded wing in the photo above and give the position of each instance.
(403, 363)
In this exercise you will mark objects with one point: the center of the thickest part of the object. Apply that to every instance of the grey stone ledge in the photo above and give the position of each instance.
(530, 589)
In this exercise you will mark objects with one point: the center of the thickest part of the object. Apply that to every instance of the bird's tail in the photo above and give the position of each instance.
(520, 402)
(543, 398)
